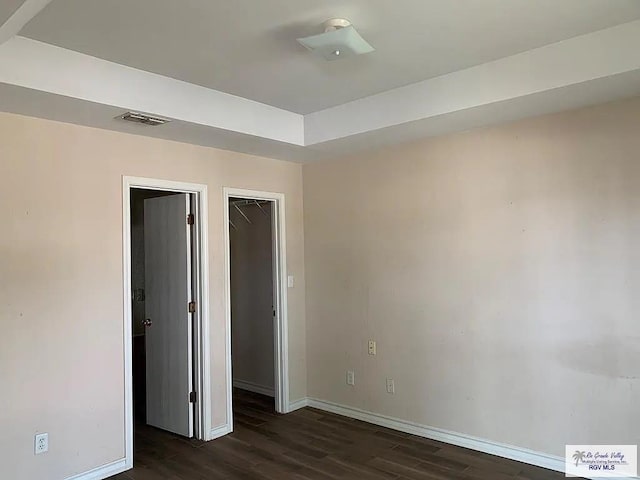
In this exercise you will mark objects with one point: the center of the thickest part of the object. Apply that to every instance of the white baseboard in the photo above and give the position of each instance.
(254, 387)
(220, 431)
(523, 455)
(105, 471)
(298, 404)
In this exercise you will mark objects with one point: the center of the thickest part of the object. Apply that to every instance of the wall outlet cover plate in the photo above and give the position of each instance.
(41, 443)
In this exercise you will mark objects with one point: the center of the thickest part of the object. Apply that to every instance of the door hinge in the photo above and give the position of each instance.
(192, 397)
(192, 307)
(191, 219)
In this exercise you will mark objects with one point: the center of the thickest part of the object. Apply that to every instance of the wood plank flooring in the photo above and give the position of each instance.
(311, 444)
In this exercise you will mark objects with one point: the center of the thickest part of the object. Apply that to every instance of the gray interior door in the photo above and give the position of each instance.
(167, 242)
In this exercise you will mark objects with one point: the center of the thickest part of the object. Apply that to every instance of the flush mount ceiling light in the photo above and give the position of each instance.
(142, 118)
(339, 40)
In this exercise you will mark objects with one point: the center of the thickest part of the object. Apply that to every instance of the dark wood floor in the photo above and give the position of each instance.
(310, 444)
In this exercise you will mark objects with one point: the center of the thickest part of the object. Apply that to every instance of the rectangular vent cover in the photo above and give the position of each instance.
(143, 119)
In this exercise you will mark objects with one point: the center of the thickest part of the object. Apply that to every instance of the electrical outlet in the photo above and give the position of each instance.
(372, 347)
(351, 377)
(41, 443)
(391, 386)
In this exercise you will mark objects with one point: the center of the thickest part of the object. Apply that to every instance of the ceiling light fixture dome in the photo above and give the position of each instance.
(339, 40)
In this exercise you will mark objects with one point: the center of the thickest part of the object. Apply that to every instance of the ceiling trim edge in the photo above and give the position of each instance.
(22, 16)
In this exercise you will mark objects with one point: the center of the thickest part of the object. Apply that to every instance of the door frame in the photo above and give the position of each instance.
(281, 342)
(201, 348)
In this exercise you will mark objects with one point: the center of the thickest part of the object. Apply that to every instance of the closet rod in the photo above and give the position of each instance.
(244, 202)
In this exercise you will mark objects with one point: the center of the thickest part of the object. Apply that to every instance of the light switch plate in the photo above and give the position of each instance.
(372, 347)
(290, 281)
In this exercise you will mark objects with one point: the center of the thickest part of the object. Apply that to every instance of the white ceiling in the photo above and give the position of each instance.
(229, 74)
(248, 48)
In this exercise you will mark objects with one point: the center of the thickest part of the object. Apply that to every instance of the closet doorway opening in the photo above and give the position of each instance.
(256, 299)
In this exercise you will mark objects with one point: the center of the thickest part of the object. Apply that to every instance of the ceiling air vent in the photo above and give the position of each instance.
(142, 118)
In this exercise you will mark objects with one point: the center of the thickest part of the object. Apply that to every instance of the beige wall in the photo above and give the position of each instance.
(252, 327)
(61, 341)
(499, 272)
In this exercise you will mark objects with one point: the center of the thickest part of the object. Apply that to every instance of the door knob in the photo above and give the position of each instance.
(147, 322)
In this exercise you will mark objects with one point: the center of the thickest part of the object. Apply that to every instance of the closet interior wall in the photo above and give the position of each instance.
(252, 321)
